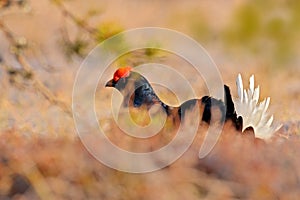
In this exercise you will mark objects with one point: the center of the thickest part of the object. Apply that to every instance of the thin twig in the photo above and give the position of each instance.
(37, 84)
(82, 24)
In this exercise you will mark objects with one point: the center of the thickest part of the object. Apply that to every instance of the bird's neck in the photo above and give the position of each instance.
(144, 95)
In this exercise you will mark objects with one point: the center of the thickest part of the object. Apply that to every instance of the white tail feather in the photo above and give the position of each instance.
(240, 87)
(254, 114)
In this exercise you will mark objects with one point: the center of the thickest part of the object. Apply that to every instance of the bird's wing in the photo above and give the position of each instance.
(253, 112)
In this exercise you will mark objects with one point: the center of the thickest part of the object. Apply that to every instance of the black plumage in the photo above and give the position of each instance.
(137, 91)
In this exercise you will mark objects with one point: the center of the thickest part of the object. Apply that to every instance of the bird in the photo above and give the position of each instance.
(138, 92)
(244, 112)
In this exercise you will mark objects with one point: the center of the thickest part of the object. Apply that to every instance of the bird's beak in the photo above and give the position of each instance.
(110, 83)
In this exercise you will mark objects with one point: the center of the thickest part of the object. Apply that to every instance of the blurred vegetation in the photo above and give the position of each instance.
(107, 30)
(41, 157)
(198, 24)
(83, 42)
(266, 28)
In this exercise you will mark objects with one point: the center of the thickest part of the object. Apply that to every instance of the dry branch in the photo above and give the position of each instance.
(37, 83)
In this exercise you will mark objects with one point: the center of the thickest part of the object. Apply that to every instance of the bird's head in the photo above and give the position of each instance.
(126, 80)
(119, 79)
(134, 87)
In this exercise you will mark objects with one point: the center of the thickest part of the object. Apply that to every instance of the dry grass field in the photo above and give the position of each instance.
(41, 155)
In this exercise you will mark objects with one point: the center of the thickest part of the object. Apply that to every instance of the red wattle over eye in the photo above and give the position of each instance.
(121, 72)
